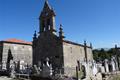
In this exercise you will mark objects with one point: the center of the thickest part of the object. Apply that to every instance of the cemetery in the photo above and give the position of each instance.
(54, 58)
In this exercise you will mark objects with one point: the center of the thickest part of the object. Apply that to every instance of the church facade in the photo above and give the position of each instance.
(63, 54)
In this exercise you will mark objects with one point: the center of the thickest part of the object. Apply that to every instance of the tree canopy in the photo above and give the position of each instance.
(102, 54)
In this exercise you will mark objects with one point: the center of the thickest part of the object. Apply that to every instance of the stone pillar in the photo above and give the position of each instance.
(18, 67)
(85, 49)
(61, 33)
(77, 69)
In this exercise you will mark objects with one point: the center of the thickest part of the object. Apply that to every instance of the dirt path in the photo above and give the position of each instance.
(5, 78)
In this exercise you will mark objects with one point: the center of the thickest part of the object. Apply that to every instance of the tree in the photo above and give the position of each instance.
(101, 55)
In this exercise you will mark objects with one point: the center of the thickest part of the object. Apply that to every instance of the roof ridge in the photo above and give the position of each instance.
(17, 41)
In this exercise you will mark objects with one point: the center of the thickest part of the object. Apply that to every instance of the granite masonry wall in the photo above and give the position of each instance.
(20, 52)
(72, 53)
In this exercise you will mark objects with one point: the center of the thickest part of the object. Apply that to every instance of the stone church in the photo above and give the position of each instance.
(63, 54)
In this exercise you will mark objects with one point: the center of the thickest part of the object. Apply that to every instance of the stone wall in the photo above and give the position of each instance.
(72, 53)
(19, 51)
(89, 54)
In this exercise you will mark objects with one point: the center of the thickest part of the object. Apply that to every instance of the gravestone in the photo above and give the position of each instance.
(18, 66)
(94, 69)
(102, 69)
(113, 64)
(22, 65)
(116, 63)
(47, 69)
(83, 71)
(4, 65)
(35, 70)
(12, 73)
(106, 65)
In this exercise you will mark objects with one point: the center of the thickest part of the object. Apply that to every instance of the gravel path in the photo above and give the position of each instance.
(5, 78)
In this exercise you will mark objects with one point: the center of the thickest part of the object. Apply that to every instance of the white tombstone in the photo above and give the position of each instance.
(102, 69)
(4, 65)
(12, 74)
(22, 65)
(36, 70)
(106, 65)
(94, 69)
(47, 69)
(116, 65)
(113, 64)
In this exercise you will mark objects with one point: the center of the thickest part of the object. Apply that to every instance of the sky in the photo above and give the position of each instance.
(96, 21)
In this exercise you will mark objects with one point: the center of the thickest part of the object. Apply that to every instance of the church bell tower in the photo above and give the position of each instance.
(47, 19)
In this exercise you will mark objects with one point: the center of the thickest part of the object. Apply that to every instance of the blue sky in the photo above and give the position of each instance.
(97, 21)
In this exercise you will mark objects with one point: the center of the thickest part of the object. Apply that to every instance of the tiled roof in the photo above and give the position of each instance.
(13, 40)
